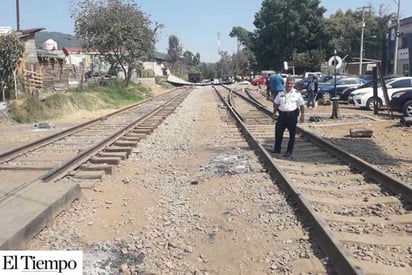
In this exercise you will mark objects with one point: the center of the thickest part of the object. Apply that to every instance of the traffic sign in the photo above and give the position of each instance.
(335, 61)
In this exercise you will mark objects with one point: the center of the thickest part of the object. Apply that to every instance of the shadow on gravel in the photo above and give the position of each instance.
(368, 150)
(364, 148)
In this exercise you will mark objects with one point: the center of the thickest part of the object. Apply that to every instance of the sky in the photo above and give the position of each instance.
(196, 23)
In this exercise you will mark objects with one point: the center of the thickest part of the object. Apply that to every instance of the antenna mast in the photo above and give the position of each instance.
(218, 44)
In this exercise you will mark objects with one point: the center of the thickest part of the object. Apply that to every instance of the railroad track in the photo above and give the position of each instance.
(362, 216)
(93, 146)
(30, 174)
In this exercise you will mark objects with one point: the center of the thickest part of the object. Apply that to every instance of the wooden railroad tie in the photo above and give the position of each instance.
(360, 132)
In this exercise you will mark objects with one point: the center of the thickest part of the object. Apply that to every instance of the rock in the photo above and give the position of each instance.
(360, 132)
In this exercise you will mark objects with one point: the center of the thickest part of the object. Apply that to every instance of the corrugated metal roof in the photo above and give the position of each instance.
(26, 32)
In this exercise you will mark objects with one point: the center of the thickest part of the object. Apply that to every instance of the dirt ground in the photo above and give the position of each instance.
(389, 148)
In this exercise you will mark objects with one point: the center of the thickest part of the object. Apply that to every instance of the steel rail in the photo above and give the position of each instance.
(14, 152)
(87, 154)
(71, 162)
(254, 102)
(230, 100)
(394, 184)
(247, 91)
(333, 248)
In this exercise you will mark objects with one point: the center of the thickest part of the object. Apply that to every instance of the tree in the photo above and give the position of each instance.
(240, 63)
(190, 59)
(244, 59)
(224, 67)
(196, 59)
(11, 50)
(243, 36)
(343, 31)
(118, 30)
(309, 61)
(208, 70)
(174, 51)
(284, 27)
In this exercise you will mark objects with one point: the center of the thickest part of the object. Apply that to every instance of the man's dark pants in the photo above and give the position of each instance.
(286, 120)
(268, 92)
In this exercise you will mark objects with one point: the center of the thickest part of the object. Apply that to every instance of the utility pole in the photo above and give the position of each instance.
(335, 105)
(220, 52)
(397, 34)
(218, 44)
(362, 34)
(18, 14)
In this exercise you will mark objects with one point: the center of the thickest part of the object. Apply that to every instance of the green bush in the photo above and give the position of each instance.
(59, 103)
(90, 98)
(143, 89)
(32, 109)
(162, 82)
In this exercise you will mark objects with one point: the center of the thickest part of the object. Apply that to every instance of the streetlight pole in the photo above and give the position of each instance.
(335, 106)
(18, 14)
(361, 42)
(362, 34)
(395, 58)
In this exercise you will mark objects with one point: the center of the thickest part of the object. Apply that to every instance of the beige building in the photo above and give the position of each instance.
(404, 57)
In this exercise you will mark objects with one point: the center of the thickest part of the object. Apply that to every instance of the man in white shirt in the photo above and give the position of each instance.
(289, 103)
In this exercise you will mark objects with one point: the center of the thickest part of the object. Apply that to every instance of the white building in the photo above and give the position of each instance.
(4, 30)
(49, 45)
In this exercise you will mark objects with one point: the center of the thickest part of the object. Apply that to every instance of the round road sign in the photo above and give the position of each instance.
(335, 61)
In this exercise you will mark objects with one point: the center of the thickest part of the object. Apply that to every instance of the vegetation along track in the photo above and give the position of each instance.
(362, 216)
(89, 150)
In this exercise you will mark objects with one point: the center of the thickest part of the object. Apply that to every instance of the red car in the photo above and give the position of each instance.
(261, 80)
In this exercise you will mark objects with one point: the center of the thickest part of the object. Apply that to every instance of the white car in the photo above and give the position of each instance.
(363, 98)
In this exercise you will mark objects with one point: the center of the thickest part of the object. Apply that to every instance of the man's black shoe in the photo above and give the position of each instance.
(275, 151)
(287, 154)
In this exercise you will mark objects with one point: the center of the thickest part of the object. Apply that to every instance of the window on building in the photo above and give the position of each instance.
(405, 69)
(404, 42)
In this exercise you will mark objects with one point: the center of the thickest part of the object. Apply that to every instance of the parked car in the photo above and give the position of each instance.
(310, 74)
(326, 90)
(363, 98)
(402, 102)
(345, 93)
(366, 76)
(301, 84)
(260, 80)
(325, 78)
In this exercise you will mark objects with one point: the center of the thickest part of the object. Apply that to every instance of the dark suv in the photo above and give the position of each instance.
(402, 102)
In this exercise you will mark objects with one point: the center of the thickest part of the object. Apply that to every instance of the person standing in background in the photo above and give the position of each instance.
(268, 86)
(312, 91)
(277, 84)
(289, 104)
